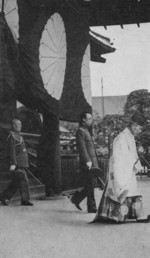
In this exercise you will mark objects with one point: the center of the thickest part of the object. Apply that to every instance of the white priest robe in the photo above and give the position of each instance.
(123, 166)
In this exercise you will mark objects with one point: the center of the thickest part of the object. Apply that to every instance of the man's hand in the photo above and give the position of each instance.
(12, 167)
(140, 149)
(89, 164)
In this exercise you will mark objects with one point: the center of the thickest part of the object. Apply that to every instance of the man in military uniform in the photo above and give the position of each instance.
(18, 166)
(88, 158)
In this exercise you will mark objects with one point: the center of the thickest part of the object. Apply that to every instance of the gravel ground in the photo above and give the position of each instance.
(55, 228)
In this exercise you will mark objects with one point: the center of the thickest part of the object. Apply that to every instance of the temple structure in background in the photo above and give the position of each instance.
(45, 52)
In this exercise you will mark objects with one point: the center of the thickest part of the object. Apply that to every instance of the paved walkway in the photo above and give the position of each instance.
(55, 229)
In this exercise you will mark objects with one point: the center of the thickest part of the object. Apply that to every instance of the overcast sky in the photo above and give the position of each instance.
(128, 68)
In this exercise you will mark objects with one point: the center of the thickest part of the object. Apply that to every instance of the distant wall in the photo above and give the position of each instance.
(112, 104)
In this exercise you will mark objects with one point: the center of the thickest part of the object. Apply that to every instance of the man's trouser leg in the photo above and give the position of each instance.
(87, 191)
(79, 196)
(91, 204)
(24, 185)
(12, 188)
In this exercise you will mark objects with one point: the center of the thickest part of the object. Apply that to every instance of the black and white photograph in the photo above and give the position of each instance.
(74, 128)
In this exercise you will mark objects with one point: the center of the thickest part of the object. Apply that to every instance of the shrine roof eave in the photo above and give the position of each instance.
(102, 48)
(100, 43)
(115, 12)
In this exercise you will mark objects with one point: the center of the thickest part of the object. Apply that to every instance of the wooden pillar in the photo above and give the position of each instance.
(7, 113)
(49, 159)
(7, 84)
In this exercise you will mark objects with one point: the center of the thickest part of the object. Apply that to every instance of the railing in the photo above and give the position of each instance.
(71, 176)
(103, 163)
(144, 172)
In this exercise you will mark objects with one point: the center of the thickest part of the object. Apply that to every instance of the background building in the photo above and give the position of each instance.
(112, 104)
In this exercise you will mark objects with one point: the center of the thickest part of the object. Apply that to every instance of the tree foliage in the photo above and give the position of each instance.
(138, 100)
(111, 125)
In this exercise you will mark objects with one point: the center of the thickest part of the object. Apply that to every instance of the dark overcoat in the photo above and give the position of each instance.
(85, 146)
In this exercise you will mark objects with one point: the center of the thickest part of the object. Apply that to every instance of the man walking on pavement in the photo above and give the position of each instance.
(88, 158)
(18, 166)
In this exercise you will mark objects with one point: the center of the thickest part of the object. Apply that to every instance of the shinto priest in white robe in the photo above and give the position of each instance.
(121, 199)
(123, 166)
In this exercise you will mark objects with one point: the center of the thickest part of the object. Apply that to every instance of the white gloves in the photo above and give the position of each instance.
(140, 149)
(89, 164)
(12, 167)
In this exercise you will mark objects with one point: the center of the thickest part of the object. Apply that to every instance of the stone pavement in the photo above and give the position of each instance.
(54, 228)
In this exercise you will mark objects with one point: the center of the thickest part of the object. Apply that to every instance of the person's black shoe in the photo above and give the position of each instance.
(75, 203)
(92, 211)
(26, 203)
(3, 201)
(77, 206)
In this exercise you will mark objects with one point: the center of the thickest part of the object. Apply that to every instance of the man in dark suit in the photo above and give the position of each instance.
(18, 166)
(88, 158)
